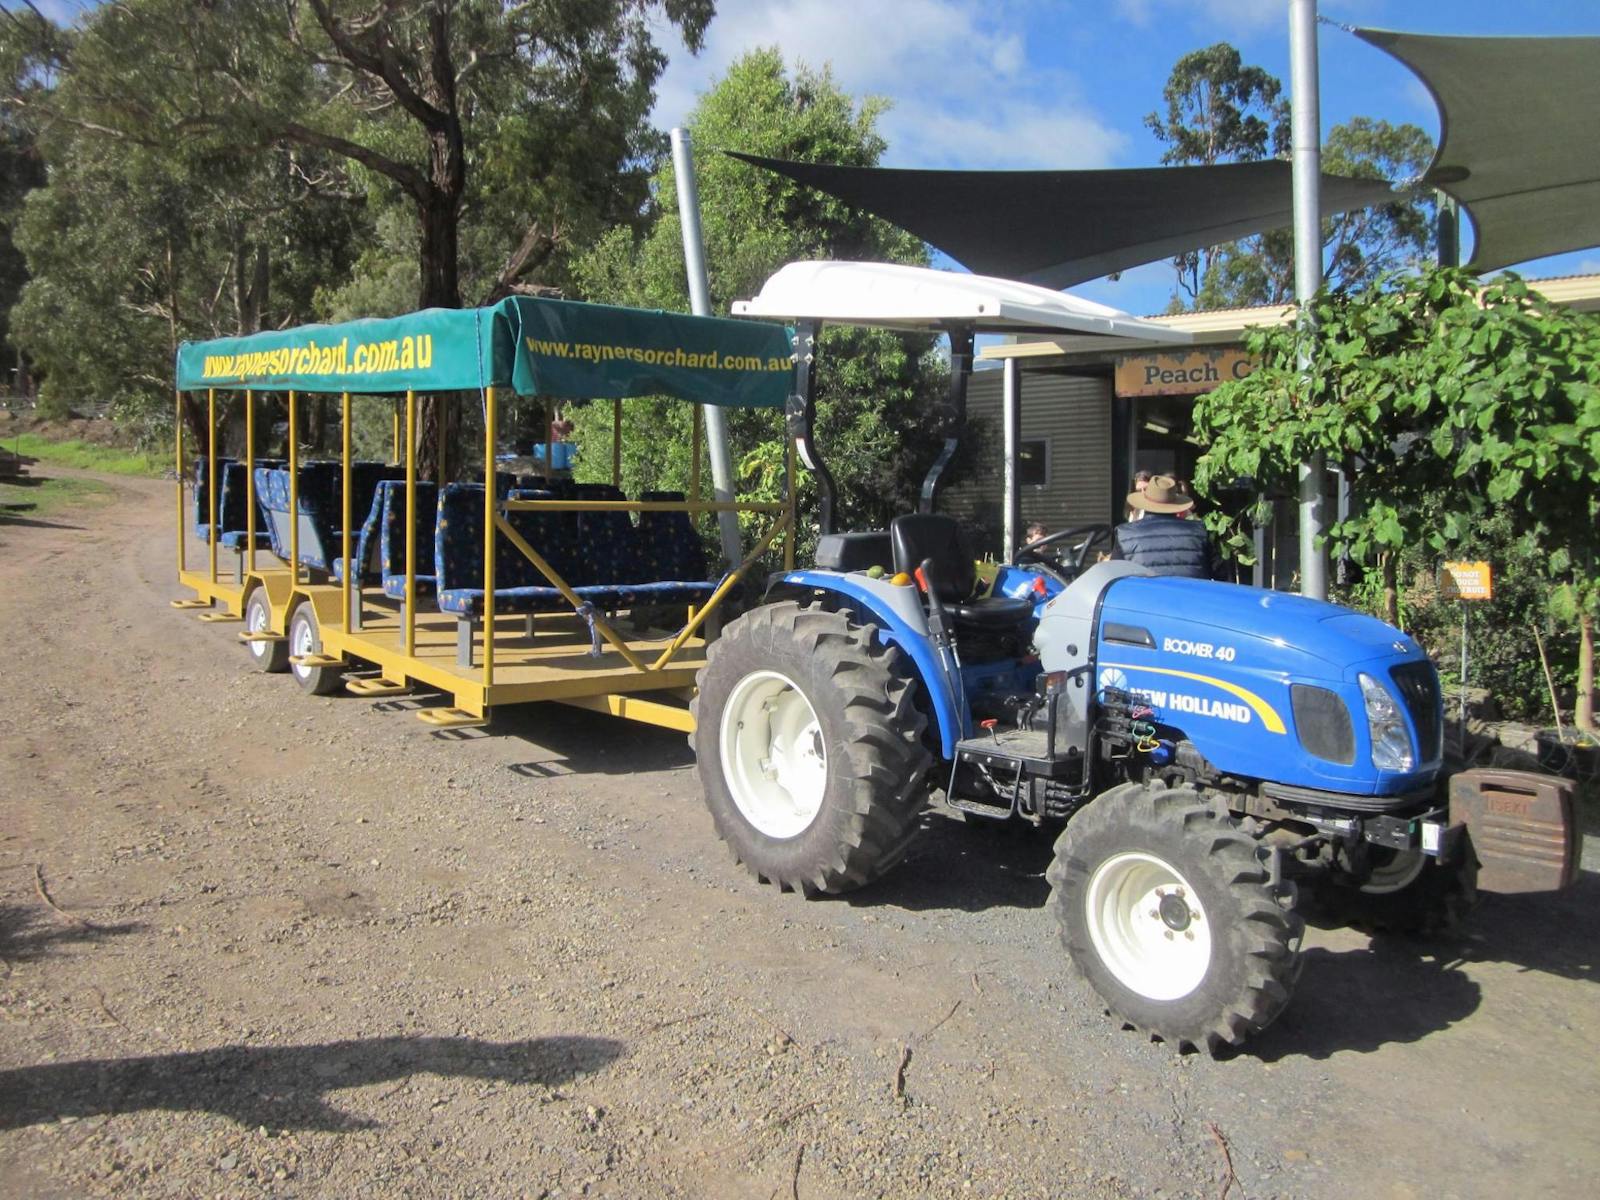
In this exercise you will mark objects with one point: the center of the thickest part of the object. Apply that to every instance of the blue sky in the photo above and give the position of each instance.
(1067, 83)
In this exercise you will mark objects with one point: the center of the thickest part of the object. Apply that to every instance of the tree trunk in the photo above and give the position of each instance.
(1388, 561)
(438, 218)
(1583, 706)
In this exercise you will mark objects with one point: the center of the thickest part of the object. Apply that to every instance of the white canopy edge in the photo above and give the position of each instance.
(890, 296)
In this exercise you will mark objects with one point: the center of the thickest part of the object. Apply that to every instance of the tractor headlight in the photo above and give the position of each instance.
(1391, 740)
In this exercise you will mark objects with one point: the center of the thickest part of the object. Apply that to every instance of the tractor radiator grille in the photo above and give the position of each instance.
(1419, 688)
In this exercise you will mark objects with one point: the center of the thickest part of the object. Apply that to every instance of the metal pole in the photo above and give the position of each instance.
(489, 507)
(694, 257)
(411, 525)
(1306, 140)
(250, 480)
(177, 446)
(1012, 391)
(345, 505)
(1448, 226)
(211, 477)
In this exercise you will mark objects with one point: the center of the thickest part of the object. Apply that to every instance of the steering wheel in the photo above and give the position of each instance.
(1066, 560)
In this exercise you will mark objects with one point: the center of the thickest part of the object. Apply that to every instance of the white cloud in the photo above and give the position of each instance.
(1231, 15)
(956, 72)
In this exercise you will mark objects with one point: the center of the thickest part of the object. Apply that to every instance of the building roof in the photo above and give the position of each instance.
(1227, 325)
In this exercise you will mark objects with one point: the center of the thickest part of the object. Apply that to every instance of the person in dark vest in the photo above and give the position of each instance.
(1161, 538)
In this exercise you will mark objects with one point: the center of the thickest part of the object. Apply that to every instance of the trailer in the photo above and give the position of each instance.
(502, 590)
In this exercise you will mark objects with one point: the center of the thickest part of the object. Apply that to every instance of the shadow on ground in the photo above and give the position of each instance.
(283, 1087)
(970, 864)
(1400, 989)
(563, 740)
(29, 932)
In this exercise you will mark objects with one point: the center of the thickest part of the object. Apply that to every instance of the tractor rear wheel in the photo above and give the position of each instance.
(810, 748)
(1167, 911)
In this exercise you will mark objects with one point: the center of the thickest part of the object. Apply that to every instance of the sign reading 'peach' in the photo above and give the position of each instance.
(1182, 374)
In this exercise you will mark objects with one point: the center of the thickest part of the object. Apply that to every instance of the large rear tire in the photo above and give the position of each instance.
(269, 656)
(305, 638)
(1167, 911)
(810, 748)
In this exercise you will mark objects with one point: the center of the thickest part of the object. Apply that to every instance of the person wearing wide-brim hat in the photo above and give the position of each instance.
(1162, 539)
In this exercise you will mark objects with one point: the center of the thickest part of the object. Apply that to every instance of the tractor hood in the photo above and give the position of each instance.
(1294, 624)
(1266, 685)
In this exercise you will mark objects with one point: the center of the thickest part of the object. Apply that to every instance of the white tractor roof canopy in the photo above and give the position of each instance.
(890, 296)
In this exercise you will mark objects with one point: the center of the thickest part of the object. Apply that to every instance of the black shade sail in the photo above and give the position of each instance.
(1520, 140)
(1059, 228)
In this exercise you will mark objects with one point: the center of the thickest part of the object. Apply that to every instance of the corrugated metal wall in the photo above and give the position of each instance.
(1074, 413)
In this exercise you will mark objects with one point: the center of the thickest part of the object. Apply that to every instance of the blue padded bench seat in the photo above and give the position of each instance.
(599, 554)
(230, 501)
(392, 542)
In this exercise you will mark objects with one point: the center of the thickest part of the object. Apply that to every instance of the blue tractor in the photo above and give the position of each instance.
(1203, 748)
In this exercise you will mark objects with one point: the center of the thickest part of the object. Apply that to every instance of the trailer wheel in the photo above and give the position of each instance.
(1405, 892)
(304, 638)
(810, 748)
(1167, 911)
(273, 656)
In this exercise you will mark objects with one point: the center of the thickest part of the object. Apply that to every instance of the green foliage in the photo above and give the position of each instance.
(875, 387)
(47, 497)
(86, 456)
(1452, 405)
(1221, 110)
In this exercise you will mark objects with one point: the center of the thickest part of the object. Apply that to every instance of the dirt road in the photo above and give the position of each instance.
(257, 943)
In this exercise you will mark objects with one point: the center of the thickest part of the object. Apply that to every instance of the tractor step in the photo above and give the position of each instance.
(376, 686)
(261, 635)
(195, 603)
(316, 660)
(450, 718)
(219, 618)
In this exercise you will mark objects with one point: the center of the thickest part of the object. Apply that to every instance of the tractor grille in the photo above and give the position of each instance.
(1419, 688)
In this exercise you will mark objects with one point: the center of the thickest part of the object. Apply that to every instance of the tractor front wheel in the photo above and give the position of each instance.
(1167, 911)
(810, 747)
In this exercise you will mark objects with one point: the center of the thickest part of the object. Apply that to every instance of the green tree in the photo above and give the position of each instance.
(1218, 110)
(476, 116)
(1447, 402)
(874, 393)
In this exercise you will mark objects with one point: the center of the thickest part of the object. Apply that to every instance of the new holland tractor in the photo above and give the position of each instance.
(1206, 750)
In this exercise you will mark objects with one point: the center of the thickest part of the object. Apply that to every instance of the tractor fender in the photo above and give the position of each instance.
(897, 612)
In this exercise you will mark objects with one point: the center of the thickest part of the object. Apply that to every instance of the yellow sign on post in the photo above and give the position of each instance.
(1466, 581)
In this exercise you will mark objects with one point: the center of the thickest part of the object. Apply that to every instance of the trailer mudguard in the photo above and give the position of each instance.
(897, 612)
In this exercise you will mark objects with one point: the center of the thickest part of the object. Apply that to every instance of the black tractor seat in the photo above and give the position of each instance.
(932, 538)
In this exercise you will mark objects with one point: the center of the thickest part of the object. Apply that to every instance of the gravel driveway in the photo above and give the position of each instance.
(256, 943)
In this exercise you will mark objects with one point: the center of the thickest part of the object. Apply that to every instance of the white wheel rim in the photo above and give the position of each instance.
(1148, 926)
(302, 641)
(255, 620)
(1399, 872)
(773, 755)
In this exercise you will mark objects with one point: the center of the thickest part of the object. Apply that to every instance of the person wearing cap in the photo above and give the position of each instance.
(1161, 539)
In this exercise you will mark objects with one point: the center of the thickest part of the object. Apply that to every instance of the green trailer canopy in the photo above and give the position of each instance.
(537, 347)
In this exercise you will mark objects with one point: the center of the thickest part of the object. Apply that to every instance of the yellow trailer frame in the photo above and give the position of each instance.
(544, 657)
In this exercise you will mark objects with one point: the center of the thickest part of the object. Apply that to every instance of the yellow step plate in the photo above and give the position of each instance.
(376, 687)
(261, 635)
(315, 660)
(450, 718)
(218, 618)
(190, 603)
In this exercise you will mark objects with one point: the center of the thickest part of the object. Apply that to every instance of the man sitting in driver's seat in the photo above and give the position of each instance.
(1162, 539)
